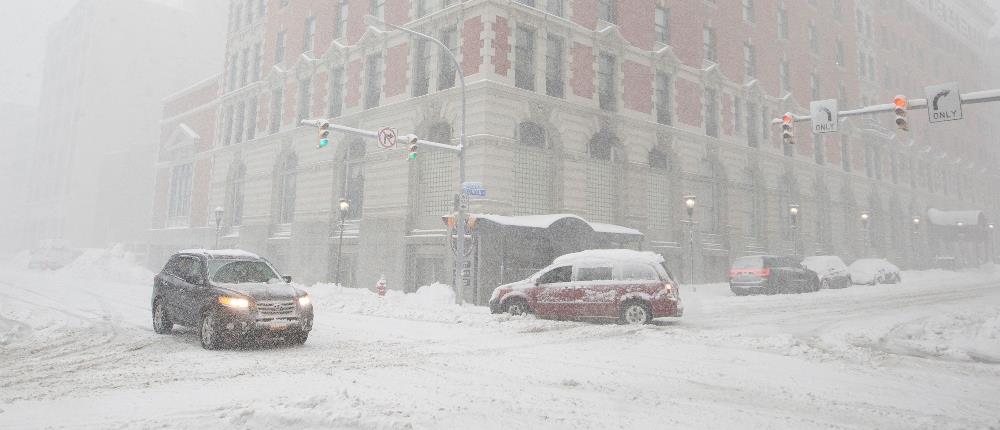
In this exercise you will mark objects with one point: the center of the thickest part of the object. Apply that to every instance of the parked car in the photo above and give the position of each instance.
(831, 270)
(769, 274)
(631, 286)
(53, 258)
(229, 296)
(871, 271)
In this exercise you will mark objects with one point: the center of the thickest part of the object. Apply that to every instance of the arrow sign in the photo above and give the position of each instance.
(825, 116)
(944, 102)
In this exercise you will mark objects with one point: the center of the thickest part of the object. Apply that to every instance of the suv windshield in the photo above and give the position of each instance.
(241, 271)
(748, 263)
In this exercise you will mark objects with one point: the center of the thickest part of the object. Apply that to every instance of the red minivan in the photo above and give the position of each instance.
(631, 286)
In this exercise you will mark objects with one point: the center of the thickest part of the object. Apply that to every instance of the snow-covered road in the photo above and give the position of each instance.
(77, 351)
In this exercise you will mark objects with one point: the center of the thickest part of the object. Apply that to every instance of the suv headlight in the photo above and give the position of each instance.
(235, 302)
(304, 301)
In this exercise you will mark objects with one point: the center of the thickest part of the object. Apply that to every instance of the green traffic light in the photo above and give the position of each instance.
(323, 143)
(412, 156)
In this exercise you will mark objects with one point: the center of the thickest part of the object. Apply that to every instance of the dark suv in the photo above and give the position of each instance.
(229, 296)
(770, 274)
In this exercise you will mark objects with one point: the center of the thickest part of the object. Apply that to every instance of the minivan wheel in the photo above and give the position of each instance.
(161, 323)
(517, 306)
(211, 336)
(635, 313)
(825, 285)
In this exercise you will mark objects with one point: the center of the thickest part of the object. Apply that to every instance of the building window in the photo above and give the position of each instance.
(354, 186)
(531, 134)
(753, 127)
(236, 195)
(341, 29)
(662, 22)
(257, 60)
(227, 122)
(813, 39)
(554, 85)
(529, 3)
(305, 99)
(245, 70)
(377, 8)
(602, 145)
(237, 17)
(606, 11)
(238, 125)
(664, 115)
(421, 60)
(420, 8)
(446, 67)
(708, 39)
(711, 113)
(435, 169)
(336, 92)
(279, 48)
(180, 191)
(556, 7)
(840, 52)
(737, 114)
(782, 23)
(252, 119)
(373, 81)
(748, 14)
(814, 85)
(277, 102)
(261, 8)
(658, 159)
(524, 58)
(233, 69)
(606, 82)
(309, 37)
(287, 173)
(749, 59)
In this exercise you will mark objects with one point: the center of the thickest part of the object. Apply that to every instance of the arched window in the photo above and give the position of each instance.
(354, 178)
(531, 134)
(286, 188)
(658, 159)
(602, 144)
(237, 178)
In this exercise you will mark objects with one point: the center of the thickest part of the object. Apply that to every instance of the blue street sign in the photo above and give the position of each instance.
(474, 189)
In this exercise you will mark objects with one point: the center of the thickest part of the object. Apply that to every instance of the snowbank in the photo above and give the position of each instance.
(968, 335)
(114, 264)
(433, 303)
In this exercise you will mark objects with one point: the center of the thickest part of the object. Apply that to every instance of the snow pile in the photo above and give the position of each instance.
(433, 303)
(114, 264)
(959, 336)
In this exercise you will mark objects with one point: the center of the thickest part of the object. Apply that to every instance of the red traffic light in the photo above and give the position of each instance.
(788, 119)
(900, 102)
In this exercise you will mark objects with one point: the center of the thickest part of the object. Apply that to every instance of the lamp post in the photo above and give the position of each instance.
(460, 222)
(344, 206)
(689, 203)
(865, 216)
(218, 224)
(793, 215)
(916, 246)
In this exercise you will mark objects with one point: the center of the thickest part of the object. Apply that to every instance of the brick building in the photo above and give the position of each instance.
(610, 110)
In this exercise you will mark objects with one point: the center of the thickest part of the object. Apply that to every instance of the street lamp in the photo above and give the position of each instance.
(218, 224)
(689, 203)
(992, 228)
(460, 221)
(344, 207)
(793, 215)
(916, 246)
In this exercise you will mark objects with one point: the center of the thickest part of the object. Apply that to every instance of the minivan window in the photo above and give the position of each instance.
(584, 274)
(639, 272)
(559, 274)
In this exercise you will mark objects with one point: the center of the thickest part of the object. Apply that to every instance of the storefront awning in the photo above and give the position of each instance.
(546, 221)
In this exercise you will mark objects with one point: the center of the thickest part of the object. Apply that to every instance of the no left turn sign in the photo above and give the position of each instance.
(387, 137)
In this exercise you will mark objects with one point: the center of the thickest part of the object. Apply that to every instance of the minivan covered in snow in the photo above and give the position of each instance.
(631, 286)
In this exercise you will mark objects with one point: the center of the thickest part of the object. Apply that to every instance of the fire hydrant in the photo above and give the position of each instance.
(380, 286)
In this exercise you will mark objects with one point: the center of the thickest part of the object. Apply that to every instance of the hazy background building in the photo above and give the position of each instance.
(108, 65)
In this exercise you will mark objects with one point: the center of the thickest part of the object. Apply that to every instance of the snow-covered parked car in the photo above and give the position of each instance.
(229, 296)
(831, 270)
(52, 258)
(631, 286)
(871, 271)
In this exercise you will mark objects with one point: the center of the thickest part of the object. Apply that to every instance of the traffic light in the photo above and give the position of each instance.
(787, 128)
(900, 109)
(413, 152)
(324, 135)
(411, 142)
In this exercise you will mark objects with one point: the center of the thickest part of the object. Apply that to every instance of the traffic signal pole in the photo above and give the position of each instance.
(374, 135)
(987, 96)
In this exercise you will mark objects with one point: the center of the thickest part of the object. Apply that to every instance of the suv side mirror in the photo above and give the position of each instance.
(287, 278)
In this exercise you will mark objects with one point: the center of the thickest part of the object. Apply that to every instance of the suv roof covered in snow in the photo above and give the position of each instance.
(236, 254)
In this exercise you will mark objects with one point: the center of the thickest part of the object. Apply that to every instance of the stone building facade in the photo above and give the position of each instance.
(610, 110)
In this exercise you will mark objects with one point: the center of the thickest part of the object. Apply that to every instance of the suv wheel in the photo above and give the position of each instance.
(298, 338)
(208, 331)
(635, 313)
(517, 306)
(161, 323)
